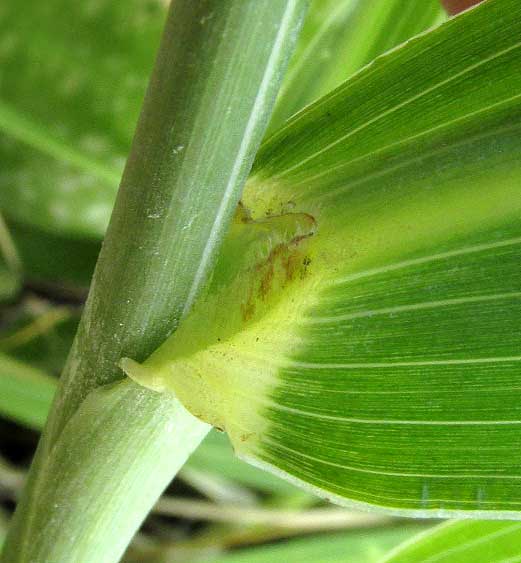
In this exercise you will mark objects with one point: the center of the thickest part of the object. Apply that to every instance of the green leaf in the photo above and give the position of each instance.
(9, 283)
(340, 37)
(367, 345)
(354, 547)
(25, 392)
(40, 335)
(3, 530)
(9, 264)
(464, 542)
(65, 141)
(53, 258)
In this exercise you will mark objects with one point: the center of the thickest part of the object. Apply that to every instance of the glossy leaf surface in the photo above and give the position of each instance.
(464, 542)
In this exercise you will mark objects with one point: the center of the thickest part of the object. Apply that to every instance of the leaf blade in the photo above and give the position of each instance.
(396, 317)
(478, 542)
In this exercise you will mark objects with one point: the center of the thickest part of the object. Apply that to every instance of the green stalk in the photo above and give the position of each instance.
(110, 447)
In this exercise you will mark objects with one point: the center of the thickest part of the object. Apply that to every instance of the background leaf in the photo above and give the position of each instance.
(65, 134)
(9, 283)
(25, 393)
(464, 542)
(54, 262)
(339, 38)
(10, 264)
(357, 547)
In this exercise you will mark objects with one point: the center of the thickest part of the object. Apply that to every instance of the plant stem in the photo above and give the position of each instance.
(110, 447)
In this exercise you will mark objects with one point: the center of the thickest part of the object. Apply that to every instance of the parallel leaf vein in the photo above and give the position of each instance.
(405, 103)
(413, 307)
(392, 473)
(406, 140)
(425, 259)
(376, 365)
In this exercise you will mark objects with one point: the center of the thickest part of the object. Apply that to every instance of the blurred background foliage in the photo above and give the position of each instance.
(72, 79)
